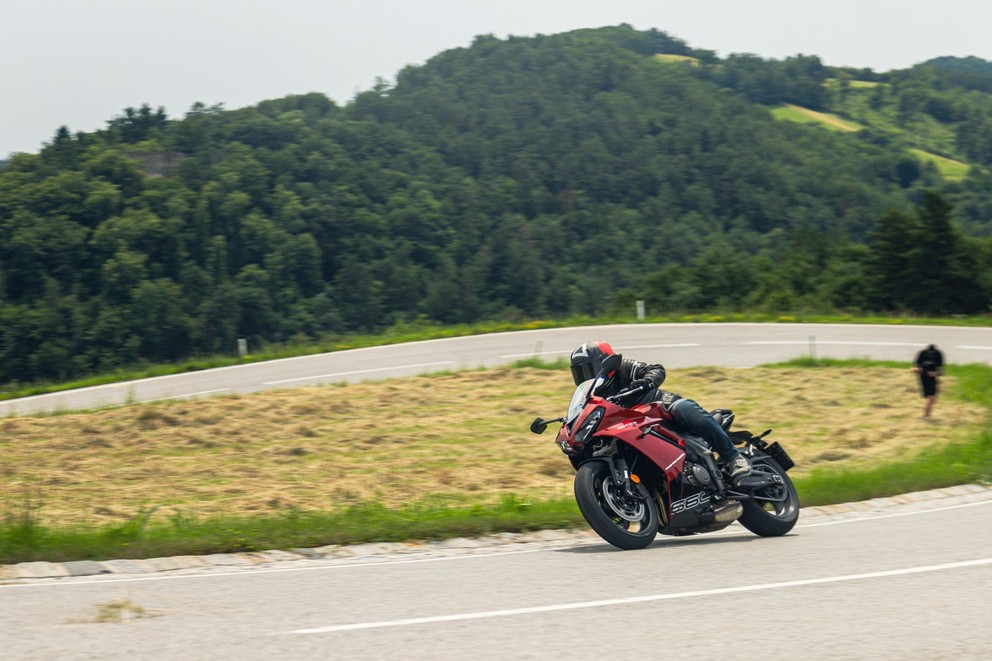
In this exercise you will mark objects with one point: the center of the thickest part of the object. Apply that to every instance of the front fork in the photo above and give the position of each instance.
(622, 476)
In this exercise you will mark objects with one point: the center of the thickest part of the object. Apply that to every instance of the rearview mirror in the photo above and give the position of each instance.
(538, 426)
(611, 364)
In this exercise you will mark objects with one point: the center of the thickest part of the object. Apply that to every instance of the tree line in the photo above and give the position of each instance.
(518, 178)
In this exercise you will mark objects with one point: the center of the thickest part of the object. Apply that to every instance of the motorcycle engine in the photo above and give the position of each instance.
(697, 475)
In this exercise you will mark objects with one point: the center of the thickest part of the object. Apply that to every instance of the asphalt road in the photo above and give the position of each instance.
(673, 345)
(907, 580)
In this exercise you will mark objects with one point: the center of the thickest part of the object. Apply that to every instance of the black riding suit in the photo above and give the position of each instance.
(930, 362)
(686, 413)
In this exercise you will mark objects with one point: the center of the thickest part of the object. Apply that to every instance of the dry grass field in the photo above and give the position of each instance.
(458, 436)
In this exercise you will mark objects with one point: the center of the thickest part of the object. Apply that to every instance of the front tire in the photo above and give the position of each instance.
(627, 523)
(775, 509)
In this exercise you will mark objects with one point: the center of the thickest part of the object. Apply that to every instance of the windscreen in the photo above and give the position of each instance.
(579, 398)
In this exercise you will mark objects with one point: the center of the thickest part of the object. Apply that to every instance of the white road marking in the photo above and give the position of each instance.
(534, 354)
(377, 369)
(838, 342)
(150, 379)
(734, 530)
(110, 385)
(620, 348)
(282, 570)
(190, 394)
(684, 345)
(975, 347)
(414, 561)
(73, 391)
(640, 600)
(892, 516)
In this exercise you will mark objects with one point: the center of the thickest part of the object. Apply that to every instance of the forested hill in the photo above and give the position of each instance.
(516, 178)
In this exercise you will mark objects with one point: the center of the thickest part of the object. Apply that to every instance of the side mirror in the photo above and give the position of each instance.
(611, 364)
(538, 426)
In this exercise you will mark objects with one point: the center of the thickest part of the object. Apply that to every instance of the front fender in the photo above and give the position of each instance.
(620, 473)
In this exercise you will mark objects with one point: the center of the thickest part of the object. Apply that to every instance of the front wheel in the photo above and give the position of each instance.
(774, 509)
(624, 521)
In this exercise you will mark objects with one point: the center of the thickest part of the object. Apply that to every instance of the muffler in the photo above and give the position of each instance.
(728, 512)
(723, 515)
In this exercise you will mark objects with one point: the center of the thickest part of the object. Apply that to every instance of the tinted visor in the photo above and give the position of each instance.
(583, 372)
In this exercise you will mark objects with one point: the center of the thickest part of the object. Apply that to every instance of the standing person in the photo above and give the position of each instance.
(930, 366)
(587, 361)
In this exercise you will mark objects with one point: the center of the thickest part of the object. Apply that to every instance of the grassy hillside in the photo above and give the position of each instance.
(950, 169)
(794, 113)
(523, 178)
(858, 105)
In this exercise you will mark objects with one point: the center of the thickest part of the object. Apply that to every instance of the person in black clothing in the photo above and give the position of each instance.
(587, 361)
(930, 366)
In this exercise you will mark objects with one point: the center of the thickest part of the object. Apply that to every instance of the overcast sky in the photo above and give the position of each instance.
(81, 62)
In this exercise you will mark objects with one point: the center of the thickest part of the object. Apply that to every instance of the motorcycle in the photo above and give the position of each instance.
(638, 475)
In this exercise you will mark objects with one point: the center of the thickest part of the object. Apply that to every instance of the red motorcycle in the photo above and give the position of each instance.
(638, 475)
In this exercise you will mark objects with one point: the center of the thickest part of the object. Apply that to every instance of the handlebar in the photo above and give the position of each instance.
(625, 393)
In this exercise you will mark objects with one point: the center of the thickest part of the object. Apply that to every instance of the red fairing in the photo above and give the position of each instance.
(631, 426)
(667, 456)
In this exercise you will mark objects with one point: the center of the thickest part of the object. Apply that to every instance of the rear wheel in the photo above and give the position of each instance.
(624, 521)
(775, 509)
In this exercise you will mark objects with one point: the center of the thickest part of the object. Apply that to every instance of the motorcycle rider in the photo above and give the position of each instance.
(586, 362)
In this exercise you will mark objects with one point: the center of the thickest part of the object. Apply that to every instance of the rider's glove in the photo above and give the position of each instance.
(641, 385)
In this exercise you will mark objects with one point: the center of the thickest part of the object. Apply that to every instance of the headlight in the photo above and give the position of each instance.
(590, 424)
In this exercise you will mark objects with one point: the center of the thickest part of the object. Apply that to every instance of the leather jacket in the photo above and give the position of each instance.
(634, 370)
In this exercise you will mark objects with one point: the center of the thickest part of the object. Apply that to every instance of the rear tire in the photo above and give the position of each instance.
(627, 523)
(775, 509)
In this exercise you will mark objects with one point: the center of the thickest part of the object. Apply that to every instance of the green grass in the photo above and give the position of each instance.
(834, 84)
(914, 130)
(827, 120)
(923, 136)
(949, 168)
(943, 466)
(558, 365)
(22, 539)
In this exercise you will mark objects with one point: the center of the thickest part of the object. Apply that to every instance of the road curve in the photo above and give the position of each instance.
(895, 578)
(673, 345)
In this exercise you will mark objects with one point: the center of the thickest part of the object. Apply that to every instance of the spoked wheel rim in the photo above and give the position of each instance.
(773, 510)
(776, 500)
(624, 521)
(626, 512)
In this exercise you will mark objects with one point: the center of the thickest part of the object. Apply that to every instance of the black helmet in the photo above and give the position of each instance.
(587, 360)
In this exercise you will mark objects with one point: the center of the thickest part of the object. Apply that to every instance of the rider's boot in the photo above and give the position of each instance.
(738, 467)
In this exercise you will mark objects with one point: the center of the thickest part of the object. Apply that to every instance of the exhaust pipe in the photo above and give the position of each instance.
(728, 512)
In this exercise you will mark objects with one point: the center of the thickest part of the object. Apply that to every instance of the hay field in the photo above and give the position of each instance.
(458, 436)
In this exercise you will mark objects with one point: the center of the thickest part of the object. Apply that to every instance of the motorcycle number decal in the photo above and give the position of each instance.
(691, 502)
